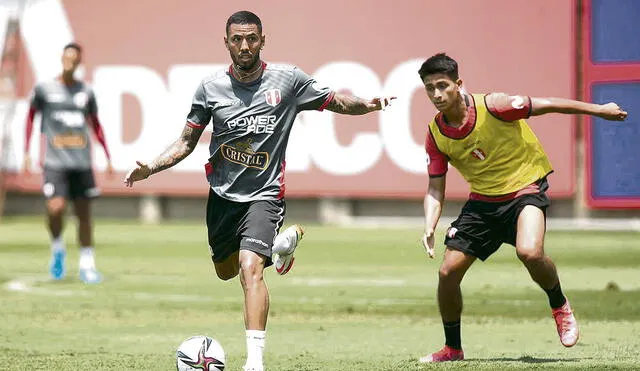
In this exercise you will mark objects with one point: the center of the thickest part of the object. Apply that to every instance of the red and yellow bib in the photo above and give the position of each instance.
(496, 157)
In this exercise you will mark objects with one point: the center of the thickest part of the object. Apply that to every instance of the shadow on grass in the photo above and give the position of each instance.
(525, 359)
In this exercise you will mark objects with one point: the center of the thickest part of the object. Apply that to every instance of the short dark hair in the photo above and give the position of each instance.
(439, 63)
(73, 45)
(244, 17)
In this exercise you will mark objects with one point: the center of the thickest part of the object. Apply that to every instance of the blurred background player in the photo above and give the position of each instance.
(68, 108)
(253, 106)
(485, 137)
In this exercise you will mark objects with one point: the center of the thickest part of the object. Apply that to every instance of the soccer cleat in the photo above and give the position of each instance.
(444, 355)
(90, 276)
(284, 260)
(566, 325)
(56, 266)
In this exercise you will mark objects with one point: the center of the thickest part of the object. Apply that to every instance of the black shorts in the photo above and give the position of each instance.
(483, 227)
(70, 184)
(234, 226)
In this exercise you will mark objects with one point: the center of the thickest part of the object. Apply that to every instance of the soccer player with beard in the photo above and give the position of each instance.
(68, 109)
(252, 106)
(486, 138)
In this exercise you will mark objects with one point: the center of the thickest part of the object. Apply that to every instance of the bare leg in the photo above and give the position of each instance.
(256, 306)
(452, 270)
(82, 208)
(256, 295)
(55, 215)
(530, 248)
(55, 218)
(454, 266)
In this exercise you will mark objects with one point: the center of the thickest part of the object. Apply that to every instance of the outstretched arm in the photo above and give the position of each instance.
(351, 105)
(609, 111)
(433, 201)
(176, 152)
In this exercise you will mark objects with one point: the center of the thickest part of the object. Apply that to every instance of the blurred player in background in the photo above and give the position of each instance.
(485, 137)
(68, 108)
(252, 106)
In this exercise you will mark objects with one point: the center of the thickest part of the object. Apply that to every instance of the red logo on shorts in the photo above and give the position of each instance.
(273, 97)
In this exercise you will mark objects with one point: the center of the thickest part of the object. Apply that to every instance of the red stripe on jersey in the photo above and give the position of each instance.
(29, 128)
(326, 102)
(97, 128)
(530, 189)
(208, 168)
(281, 180)
(194, 125)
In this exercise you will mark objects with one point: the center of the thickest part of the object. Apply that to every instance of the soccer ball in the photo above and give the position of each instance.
(199, 353)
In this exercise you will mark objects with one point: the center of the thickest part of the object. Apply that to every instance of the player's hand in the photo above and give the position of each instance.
(26, 166)
(139, 173)
(110, 171)
(613, 112)
(428, 241)
(381, 103)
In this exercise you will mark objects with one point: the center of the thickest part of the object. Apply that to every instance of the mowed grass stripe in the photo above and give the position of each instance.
(356, 300)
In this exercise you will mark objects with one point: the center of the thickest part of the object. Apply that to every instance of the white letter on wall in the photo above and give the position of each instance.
(110, 83)
(395, 123)
(365, 150)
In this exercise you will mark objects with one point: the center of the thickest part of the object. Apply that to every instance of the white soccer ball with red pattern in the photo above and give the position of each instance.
(199, 353)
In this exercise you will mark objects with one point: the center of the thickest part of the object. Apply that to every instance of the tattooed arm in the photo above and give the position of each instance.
(176, 152)
(350, 105)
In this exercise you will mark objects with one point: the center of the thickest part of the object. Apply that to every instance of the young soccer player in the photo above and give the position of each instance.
(486, 138)
(68, 109)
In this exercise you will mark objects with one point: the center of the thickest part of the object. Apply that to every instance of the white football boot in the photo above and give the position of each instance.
(284, 247)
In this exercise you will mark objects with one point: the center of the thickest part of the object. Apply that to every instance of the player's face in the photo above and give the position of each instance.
(442, 90)
(70, 60)
(244, 42)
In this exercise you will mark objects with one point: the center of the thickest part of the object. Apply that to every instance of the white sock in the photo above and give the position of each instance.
(57, 244)
(87, 260)
(255, 347)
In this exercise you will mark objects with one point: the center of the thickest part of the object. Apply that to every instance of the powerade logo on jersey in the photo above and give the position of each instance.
(260, 124)
(244, 155)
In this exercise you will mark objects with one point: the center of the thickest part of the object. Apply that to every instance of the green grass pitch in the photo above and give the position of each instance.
(357, 299)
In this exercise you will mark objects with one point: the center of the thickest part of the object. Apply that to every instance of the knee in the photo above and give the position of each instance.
(448, 273)
(56, 210)
(530, 253)
(251, 273)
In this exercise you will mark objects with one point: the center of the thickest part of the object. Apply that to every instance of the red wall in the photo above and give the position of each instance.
(524, 47)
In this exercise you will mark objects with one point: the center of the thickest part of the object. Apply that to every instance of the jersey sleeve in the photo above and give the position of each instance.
(37, 98)
(308, 94)
(437, 161)
(200, 115)
(508, 107)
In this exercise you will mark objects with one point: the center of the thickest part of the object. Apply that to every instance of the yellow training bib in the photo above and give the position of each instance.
(496, 157)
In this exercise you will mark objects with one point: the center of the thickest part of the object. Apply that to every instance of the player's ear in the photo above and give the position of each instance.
(226, 44)
(264, 39)
(459, 83)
